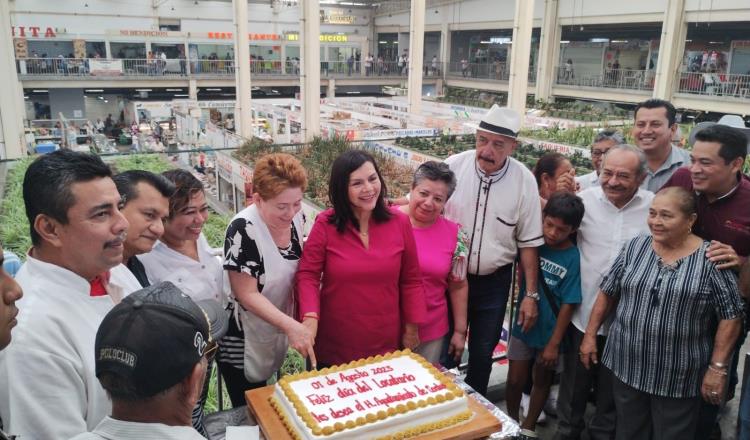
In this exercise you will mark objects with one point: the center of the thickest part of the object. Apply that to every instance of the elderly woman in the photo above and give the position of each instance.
(262, 250)
(360, 274)
(554, 172)
(442, 260)
(184, 257)
(665, 349)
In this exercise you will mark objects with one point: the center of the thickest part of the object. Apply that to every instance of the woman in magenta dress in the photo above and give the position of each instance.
(442, 260)
(359, 277)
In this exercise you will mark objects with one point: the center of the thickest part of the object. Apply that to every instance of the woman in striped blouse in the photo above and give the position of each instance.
(675, 323)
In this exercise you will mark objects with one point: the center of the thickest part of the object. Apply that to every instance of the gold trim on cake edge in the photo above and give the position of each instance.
(452, 389)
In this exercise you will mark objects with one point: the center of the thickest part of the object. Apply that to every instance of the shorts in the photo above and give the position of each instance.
(518, 350)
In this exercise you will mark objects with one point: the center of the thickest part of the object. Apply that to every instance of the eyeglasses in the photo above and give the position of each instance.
(597, 153)
(210, 350)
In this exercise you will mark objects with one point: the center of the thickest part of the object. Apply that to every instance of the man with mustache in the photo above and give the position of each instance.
(653, 130)
(497, 203)
(73, 276)
(145, 198)
(615, 212)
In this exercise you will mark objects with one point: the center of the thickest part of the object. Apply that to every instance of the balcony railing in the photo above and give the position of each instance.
(69, 68)
(715, 84)
(626, 79)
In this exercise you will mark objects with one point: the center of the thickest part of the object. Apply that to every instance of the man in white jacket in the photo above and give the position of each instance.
(71, 278)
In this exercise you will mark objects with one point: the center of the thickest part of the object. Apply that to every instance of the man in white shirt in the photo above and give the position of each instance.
(72, 277)
(497, 203)
(154, 373)
(616, 211)
(653, 130)
(603, 141)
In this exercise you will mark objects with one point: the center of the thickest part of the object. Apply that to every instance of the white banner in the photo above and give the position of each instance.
(102, 67)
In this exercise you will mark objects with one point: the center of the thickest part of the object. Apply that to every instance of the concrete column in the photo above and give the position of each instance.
(310, 73)
(331, 89)
(416, 56)
(519, 55)
(671, 47)
(242, 114)
(193, 89)
(549, 51)
(12, 112)
(107, 50)
(445, 48)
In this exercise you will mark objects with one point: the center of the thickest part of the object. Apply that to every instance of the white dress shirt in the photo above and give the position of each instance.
(47, 374)
(587, 181)
(500, 212)
(112, 429)
(603, 232)
(198, 279)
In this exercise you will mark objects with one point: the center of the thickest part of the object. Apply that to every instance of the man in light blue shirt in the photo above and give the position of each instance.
(653, 132)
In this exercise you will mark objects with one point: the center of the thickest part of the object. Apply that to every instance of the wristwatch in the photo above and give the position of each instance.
(533, 295)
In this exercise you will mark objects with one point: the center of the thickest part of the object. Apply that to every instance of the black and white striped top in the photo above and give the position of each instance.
(663, 331)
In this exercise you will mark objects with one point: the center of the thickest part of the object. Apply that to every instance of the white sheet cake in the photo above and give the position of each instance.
(396, 396)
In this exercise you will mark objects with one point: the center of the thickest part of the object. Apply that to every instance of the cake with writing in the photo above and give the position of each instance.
(395, 396)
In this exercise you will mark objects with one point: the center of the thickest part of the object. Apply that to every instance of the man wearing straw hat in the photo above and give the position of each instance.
(497, 203)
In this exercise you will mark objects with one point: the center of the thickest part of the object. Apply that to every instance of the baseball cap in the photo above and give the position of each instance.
(153, 338)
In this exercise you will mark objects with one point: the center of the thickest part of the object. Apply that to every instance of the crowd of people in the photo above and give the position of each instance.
(642, 264)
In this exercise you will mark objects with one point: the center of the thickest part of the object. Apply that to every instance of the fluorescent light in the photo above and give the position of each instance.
(383, 42)
(94, 90)
(180, 95)
(599, 40)
(142, 90)
(39, 91)
(105, 101)
(688, 41)
(564, 42)
(274, 91)
(353, 93)
(619, 41)
(174, 90)
(212, 90)
(715, 42)
(227, 94)
(25, 97)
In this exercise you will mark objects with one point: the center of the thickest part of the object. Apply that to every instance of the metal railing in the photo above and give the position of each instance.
(715, 84)
(495, 71)
(626, 79)
(60, 68)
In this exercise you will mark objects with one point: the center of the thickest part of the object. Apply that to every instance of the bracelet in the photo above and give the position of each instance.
(312, 315)
(717, 371)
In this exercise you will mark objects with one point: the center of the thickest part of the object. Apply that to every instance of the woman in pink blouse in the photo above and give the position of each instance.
(359, 277)
(440, 247)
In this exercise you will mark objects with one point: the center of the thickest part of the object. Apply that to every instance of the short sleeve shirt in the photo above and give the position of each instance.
(663, 331)
(560, 270)
(241, 253)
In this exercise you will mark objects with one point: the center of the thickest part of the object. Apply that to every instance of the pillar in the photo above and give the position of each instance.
(416, 55)
(445, 49)
(519, 56)
(549, 51)
(310, 73)
(331, 89)
(193, 89)
(242, 113)
(12, 111)
(671, 47)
